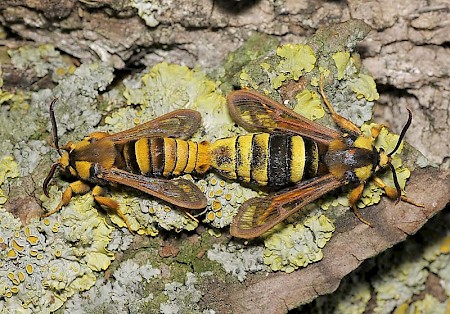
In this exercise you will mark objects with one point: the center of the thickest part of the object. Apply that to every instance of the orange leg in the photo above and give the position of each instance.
(342, 122)
(99, 196)
(77, 187)
(392, 193)
(189, 215)
(353, 198)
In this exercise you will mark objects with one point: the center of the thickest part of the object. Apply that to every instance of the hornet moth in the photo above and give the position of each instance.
(300, 152)
(142, 158)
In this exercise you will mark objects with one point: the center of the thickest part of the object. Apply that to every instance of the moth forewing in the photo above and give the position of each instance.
(179, 192)
(256, 112)
(181, 123)
(258, 215)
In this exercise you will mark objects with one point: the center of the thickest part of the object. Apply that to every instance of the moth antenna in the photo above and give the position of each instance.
(397, 185)
(48, 178)
(402, 134)
(54, 127)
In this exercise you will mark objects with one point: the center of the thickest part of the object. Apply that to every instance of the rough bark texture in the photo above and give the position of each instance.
(407, 52)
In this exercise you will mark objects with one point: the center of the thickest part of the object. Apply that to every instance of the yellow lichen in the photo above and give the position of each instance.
(246, 80)
(309, 105)
(364, 86)
(166, 87)
(341, 59)
(297, 246)
(295, 59)
(8, 169)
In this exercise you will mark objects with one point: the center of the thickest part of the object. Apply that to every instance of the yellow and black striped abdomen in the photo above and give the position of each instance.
(164, 156)
(274, 159)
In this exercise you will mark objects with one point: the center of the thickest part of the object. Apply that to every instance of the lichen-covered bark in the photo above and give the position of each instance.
(406, 52)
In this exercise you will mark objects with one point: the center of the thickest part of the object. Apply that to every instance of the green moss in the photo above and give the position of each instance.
(257, 46)
(339, 37)
(191, 254)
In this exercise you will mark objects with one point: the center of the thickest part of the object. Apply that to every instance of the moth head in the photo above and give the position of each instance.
(385, 160)
(63, 161)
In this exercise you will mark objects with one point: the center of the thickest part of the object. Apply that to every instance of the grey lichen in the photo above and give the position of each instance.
(43, 60)
(238, 260)
(124, 292)
(76, 95)
(149, 10)
(182, 298)
(39, 270)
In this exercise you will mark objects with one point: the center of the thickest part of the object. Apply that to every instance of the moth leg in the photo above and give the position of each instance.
(77, 187)
(99, 196)
(342, 122)
(392, 192)
(353, 198)
(189, 215)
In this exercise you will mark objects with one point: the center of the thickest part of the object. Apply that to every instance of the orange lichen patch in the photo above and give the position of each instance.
(17, 246)
(29, 268)
(445, 246)
(216, 206)
(210, 216)
(11, 254)
(21, 276)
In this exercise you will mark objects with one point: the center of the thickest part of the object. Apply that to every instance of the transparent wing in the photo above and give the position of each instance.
(259, 214)
(256, 112)
(180, 123)
(179, 192)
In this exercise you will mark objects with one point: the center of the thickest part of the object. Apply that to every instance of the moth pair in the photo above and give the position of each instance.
(299, 158)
